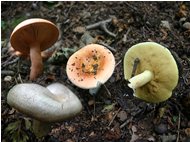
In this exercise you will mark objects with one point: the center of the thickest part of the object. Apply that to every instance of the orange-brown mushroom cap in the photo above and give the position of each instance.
(90, 65)
(32, 36)
(34, 30)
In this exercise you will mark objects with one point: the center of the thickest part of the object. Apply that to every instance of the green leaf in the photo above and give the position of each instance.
(12, 127)
(28, 124)
(108, 108)
(16, 136)
(3, 25)
(49, 4)
(162, 111)
(15, 131)
(175, 118)
(16, 21)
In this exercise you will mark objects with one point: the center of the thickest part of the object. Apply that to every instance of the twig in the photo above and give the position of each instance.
(94, 105)
(7, 72)
(131, 6)
(178, 127)
(125, 123)
(114, 117)
(19, 76)
(126, 35)
(118, 63)
(101, 25)
(93, 26)
(107, 90)
(107, 46)
(6, 63)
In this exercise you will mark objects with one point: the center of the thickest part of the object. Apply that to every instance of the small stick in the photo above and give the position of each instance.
(125, 123)
(114, 117)
(93, 26)
(136, 62)
(107, 46)
(108, 92)
(94, 105)
(7, 72)
(19, 76)
(178, 127)
(102, 25)
(131, 6)
(118, 63)
(9, 61)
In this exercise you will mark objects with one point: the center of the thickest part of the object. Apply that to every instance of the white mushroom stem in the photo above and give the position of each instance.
(140, 79)
(40, 128)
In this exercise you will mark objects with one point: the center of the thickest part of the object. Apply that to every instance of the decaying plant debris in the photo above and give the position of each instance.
(113, 114)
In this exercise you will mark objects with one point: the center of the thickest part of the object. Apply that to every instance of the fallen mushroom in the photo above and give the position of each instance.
(32, 36)
(45, 105)
(90, 66)
(156, 74)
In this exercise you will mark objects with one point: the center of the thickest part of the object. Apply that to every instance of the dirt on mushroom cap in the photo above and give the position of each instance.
(160, 62)
(92, 64)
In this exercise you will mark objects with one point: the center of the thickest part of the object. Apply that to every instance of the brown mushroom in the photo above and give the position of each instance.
(32, 36)
(91, 65)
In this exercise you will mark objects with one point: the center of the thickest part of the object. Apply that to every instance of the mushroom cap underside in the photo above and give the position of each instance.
(91, 65)
(35, 30)
(39, 103)
(157, 59)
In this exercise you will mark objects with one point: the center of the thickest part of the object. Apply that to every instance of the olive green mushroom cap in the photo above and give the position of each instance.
(160, 62)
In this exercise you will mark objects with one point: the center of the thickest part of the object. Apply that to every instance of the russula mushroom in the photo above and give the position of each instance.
(45, 105)
(90, 66)
(156, 74)
(32, 36)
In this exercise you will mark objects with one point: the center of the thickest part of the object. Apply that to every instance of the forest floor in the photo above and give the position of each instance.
(113, 114)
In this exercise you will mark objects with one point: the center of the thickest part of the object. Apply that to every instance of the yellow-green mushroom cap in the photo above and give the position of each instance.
(158, 64)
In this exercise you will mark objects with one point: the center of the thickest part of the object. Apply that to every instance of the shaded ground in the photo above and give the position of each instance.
(120, 117)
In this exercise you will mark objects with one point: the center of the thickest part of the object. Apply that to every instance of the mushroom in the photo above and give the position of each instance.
(32, 36)
(156, 74)
(90, 66)
(46, 105)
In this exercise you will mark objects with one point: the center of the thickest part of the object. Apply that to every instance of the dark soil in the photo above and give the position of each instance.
(127, 118)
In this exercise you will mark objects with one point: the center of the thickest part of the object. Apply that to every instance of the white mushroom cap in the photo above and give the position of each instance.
(52, 104)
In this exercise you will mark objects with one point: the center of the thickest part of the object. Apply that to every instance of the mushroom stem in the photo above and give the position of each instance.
(140, 79)
(136, 62)
(94, 91)
(36, 61)
(40, 128)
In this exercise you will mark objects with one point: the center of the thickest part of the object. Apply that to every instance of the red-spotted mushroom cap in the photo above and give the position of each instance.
(31, 37)
(90, 65)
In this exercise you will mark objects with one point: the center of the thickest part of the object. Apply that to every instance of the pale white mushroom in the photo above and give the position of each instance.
(46, 105)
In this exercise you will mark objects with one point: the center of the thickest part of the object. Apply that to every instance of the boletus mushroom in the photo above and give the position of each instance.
(90, 66)
(156, 74)
(32, 36)
(45, 105)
